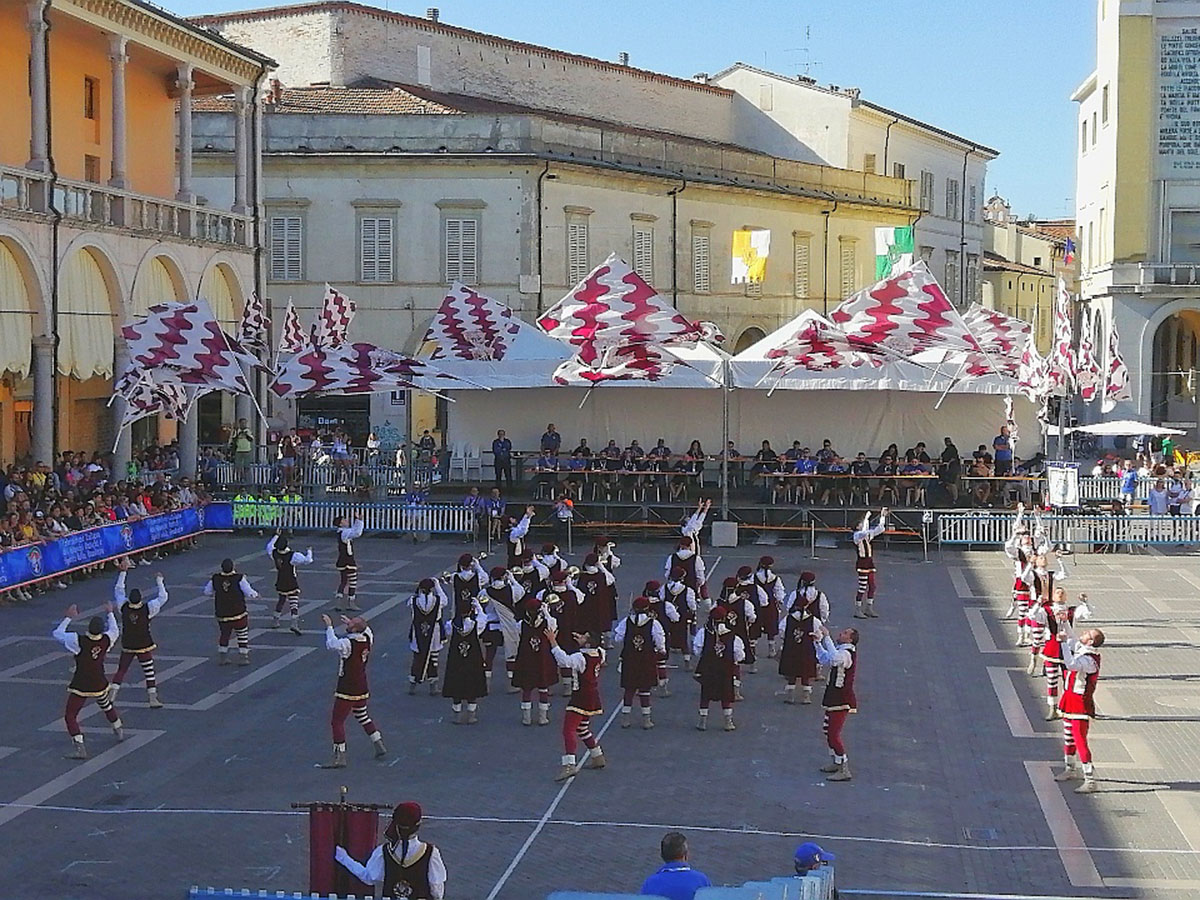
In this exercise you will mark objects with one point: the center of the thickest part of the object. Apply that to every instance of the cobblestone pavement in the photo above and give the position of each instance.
(952, 761)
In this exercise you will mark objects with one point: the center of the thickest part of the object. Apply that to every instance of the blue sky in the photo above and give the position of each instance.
(998, 73)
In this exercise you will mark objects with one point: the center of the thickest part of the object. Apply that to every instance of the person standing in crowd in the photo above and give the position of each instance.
(405, 865)
(583, 667)
(950, 470)
(1081, 662)
(351, 693)
(426, 632)
(287, 585)
(551, 440)
(1157, 499)
(503, 594)
(502, 460)
(642, 641)
(675, 878)
(534, 670)
(241, 443)
(89, 681)
(136, 640)
(864, 564)
(807, 611)
(1129, 483)
(718, 653)
(839, 700)
(1002, 452)
(347, 533)
(465, 681)
(230, 590)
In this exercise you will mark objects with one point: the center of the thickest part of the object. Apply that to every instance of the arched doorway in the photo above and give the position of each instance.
(158, 281)
(1174, 371)
(748, 338)
(16, 339)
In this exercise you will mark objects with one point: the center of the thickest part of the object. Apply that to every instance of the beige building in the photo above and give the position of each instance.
(389, 189)
(99, 213)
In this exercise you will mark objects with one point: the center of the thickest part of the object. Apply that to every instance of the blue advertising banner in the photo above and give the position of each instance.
(37, 561)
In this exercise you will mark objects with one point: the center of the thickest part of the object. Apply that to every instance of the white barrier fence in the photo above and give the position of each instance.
(1108, 487)
(993, 529)
(260, 475)
(387, 518)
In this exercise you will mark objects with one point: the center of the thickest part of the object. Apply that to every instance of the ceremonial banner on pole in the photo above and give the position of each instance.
(291, 335)
(1088, 375)
(1116, 387)
(333, 321)
(255, 330)
(1060, 369)
(182, 343)
(358, 368)
(750, 251)
(893, 250)
(469, 325)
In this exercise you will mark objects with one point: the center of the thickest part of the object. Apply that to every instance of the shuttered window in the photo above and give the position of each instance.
(849, 268)
(287, 234)
(701, 262)
(462, 250)
(375, 249)
(643, 253)
(926, 192)
(577, 250)
(800, 276)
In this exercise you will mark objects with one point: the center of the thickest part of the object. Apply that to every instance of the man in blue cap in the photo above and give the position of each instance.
(810, 856)
(675, 879)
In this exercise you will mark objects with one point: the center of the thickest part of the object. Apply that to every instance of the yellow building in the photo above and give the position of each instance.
(1138, 198)
(99, 217)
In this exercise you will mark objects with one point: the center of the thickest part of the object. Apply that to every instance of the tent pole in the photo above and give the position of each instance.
(725, 440)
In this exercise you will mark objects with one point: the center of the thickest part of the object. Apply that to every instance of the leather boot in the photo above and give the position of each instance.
(244, 658)
(842, 773)
(597, 759)
(565, 771)
(338, 761)
(380, 749)
(223, 659)
(155, 703)
(806, 694)
(702, 725)
(830, 767)
(526, 715)
(626, 719)
(647, 722)
(78, 751)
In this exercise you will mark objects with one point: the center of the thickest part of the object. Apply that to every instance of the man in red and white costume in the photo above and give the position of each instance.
(718, 653)
(565, 602)
(230, 590)
(351, 693)
(405, 865)
(694, 524)
(807, 611)
(770, 585)
(504, 595)
(686, 558)
(839, 700)
(1081, 662)
(88, 681)
(1052, 658)
(605, 550)
(666, 613)
(585, 704)
(1040, 615)
(599, 589)
(740, 615)
(642, 642)
(864, 564)
(1020, 549)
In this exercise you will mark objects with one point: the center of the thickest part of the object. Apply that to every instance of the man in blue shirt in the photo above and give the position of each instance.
(1129, 482)
(1002, 446)
(502, 458)
(551, 440)
(676, 879)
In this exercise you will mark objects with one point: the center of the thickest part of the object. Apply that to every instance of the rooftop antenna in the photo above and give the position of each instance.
(807, 64)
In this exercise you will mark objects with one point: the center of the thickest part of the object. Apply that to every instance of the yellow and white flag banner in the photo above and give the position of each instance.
(750, 251)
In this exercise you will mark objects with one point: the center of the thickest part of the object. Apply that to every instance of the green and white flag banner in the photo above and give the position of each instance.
(893, 250)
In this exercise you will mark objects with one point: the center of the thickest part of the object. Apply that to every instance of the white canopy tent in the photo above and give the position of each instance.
(1120, 428)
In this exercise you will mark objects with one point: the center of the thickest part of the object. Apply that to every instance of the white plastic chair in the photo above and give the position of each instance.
(474, 461)
(458, 459)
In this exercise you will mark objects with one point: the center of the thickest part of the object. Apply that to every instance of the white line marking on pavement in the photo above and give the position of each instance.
(1076, 858)
(1010, 704)
(979, 630)
(134, 740)
(236, 687)
(34, 663)
(1183, 814)
(1184, 884)
(8, 751)
(516, 860)
(961, 586)
(86, 862)
(1134, 583)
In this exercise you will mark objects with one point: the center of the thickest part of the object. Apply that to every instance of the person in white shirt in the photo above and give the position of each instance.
(287, 586)
(864, 564)
(347, 533)
(88, 681)
(839, 700)
(405, 865)
(1158, 499)
(136, 640)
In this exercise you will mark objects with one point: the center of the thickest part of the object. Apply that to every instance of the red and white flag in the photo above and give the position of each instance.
(151, 398)
(1061, 364)
(291, 335)
(632, 362)
(1031, 373)
(255, 329)
(182, 343)
(358, 368)
(1088, 376)
(333, 320)
(904, 314)
(818, 345)
(1001, 337)
(612, 308)
(470, 325)
(1116, 387)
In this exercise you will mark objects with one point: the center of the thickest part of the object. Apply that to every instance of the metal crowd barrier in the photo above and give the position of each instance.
(1108, 487)
(387, 518)
(995, 529)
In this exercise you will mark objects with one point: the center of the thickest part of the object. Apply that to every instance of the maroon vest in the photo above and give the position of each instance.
(465, 590)
(408, 882)
(688, 564)
(89, 679)
(585, 686)
(502, 595)
(352, 672)
(228, 601)
(839, 689)
(135, 628)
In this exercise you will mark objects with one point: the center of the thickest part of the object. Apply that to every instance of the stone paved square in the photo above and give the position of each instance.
(953, 765)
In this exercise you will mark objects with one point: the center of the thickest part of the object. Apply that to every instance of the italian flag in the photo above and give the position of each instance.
(893, 250)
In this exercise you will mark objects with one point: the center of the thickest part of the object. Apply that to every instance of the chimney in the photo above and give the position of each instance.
(276, 92)
(433, 14)
(623, 58)
(701, 77)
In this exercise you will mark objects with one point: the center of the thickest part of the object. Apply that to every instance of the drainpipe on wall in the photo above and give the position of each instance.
(887, 138)
(674, 195)
(962, 231)
(541, 288)
(55, 224)
(255, 193)
(825, 257)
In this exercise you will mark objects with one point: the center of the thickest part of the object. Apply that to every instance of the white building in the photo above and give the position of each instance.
(796, 118)
(1138, 198)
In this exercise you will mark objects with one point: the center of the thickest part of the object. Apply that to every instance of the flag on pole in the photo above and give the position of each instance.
(358, 368)
(750, 251)
(1087, 374)
(893, 250)
(470, 325)
(333, 320)
(1031, 374)
(1116, 386)
(291, 336)
(255, 330)
(1061, 364)
(1069, 252)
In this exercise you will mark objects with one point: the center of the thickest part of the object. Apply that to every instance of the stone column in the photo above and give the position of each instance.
(123, 449)
(242, 106)
(43, 399)
(118, 57)
(189, 443)
(185, 85)
(39, 134)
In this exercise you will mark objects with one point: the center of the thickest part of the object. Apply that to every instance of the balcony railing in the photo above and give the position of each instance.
(23, 190)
